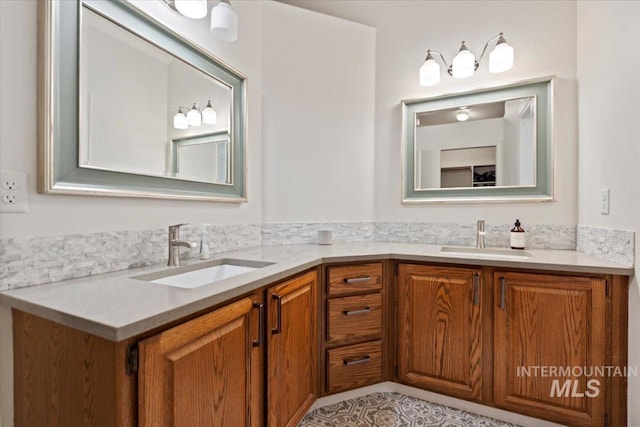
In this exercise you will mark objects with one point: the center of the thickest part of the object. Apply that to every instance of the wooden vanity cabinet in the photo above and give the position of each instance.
(548, 328)
(213, 370)
(440, 329)
(533, 329)
(66, 377)
(199, 373)
(292, 377)
(354, 331)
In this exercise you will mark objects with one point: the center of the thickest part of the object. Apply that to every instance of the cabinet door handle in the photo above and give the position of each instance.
(260, 340)
(503, 293)
(356, 312)
(278, 327)
(357, 280)
(351, 362)
(476, 289)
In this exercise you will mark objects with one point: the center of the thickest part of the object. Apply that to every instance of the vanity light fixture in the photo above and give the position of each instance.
(194, 117)
(224, 20)
(464, 64)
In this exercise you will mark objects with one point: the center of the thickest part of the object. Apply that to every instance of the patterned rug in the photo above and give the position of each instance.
(394, 409)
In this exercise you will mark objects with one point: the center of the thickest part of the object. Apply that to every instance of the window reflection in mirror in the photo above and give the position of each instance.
(130, 91)
(482, 145)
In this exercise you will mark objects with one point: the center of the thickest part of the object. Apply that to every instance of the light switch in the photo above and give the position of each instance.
(604, 201)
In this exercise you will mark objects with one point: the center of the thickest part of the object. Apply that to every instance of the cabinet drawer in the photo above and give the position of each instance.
(354, 366)
(359, 316)
(355, 278)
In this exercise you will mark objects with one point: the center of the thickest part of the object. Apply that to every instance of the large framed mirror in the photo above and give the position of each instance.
(489, 145)
(129, 108)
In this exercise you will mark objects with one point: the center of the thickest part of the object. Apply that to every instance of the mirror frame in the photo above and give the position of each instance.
(541, 89)
(58, 87)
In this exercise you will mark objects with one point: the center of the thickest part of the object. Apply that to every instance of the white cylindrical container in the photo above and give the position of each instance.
(325, 237)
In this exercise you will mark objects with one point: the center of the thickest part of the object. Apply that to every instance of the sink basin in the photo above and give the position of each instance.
(201, 274)
(489, 253)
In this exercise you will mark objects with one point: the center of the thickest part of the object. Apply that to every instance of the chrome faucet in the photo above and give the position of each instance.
(175, 243)
(480, 234)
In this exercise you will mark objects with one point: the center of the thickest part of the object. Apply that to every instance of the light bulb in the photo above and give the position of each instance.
(224, 22)
(501, 57)
(195, 9)
(193, 116)
(464, 64)
(429, 72)
(462, 115)
(209, 115)
(180, 120)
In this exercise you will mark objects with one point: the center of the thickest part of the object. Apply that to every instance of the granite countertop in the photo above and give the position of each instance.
(117, 306)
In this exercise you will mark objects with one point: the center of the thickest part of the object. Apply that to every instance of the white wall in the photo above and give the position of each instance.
(543, 34)
(318, 101)
(609, 134)
(56, 215)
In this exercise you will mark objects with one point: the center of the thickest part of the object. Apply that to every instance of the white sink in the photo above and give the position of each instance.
(488, 253)
(201, 274)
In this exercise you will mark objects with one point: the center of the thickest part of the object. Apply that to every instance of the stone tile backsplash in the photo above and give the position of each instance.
(540, 236)
(38, 260)
(288, 233)
(611, 244)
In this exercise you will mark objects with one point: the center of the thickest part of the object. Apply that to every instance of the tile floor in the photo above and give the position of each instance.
(395, 409)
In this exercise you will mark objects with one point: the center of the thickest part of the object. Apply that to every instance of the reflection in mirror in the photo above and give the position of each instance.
(480, 145)
(130, 91)
(492, 144)
(202, 158)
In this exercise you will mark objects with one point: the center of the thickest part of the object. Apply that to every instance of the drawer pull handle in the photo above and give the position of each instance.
(357, 280)
(503, 292)
(260, 340)
(351, 362)
(356, 312)
(278, 327)
(476, 288)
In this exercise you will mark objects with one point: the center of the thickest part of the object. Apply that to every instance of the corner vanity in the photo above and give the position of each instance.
(305, 321)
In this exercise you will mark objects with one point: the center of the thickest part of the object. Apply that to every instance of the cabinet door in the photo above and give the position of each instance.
(198, 373)
(440, 330)
(548, 330)
(292, 350)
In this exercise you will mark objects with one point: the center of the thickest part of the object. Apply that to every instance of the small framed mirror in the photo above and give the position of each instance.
(129, 108)
(489, 145)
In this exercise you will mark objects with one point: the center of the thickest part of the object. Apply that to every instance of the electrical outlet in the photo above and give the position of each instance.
(10, 184)
(9, 198)
(13, 192)
(604, 201)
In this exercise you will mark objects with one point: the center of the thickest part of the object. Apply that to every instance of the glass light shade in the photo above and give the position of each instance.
(180, 120)
(501, 58)
(195, 9)
(194, 118)
(429, 73)
(464, 64)
(209, 115)
(462, 115)
(224, 22)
